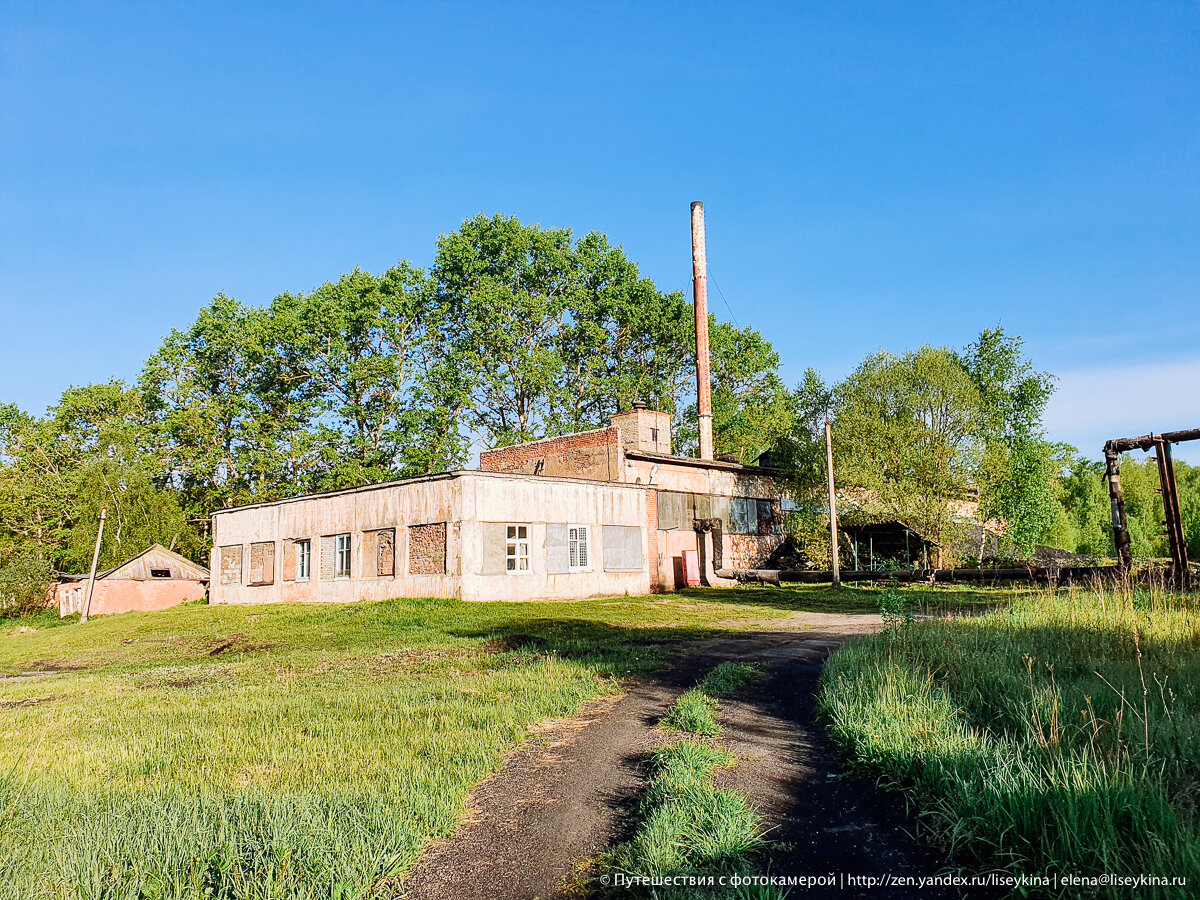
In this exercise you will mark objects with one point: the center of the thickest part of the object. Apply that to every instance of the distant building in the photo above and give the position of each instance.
(598, 513)
(154, 579)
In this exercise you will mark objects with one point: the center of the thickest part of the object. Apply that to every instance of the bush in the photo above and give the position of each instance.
(24, 585)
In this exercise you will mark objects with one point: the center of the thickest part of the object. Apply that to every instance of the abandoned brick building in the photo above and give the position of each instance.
(598, 513)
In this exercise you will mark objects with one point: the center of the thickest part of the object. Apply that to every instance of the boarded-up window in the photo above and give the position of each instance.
(380, 550)
(328, 557)
(744, 516)
(262, 562)
(566, 549)
(427, 549)
(558, 558)
(287, 571)
(231, 564)
(494, 547)
(670, 510)
(622, 548)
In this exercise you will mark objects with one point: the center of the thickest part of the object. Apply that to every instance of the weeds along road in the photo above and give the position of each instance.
(537, 827)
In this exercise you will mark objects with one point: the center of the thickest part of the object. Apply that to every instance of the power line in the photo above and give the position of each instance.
(723, 300)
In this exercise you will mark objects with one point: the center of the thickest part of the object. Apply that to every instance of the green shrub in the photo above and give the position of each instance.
(24, 585)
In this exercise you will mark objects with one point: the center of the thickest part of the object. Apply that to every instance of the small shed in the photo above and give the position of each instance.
(154, 579)
(879, 545)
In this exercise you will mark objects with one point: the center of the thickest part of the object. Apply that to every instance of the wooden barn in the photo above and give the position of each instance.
(154, 579)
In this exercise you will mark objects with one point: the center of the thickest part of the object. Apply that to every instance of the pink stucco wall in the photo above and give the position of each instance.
(120, 595)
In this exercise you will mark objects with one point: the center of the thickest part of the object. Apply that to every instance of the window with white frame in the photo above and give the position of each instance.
(577, 547)
(343, 556)
(303, 560)
(516, 550)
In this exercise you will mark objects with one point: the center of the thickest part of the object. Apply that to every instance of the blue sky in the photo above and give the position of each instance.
(874, 175)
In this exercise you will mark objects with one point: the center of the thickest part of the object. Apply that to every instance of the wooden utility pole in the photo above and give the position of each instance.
(833, 538)
(87, 603)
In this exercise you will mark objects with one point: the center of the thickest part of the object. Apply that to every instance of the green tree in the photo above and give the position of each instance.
(1083, 520)
(1016, 479)
(906, 439)
(89, 452)
(232, 407)
(365, 353)
(752, 408)
(550, 334)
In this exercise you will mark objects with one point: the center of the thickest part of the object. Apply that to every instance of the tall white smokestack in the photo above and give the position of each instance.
(700, 298)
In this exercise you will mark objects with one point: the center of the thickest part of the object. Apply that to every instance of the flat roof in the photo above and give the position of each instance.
(436, 476)
(668, 459)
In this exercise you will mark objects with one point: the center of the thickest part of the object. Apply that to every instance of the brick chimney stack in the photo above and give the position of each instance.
(700, 303)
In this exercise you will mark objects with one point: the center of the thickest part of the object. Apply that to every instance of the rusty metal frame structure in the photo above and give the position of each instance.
(1161, 444)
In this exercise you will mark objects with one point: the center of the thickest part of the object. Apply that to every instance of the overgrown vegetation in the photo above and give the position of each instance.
(1061, 733)
(1082, 521)
(728, 678)
(687, 826)
(696, 710)
(917, 435)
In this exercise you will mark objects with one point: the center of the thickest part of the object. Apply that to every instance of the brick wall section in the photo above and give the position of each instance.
(427, 549)
(652, 539)
(645, 429)
(594, 455)
(750, 551)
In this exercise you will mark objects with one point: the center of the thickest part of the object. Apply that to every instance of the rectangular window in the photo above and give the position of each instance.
(516, 549)
(160, 573)
(303, 560)
(343, 556)
(379, 553)
(622, 546)
(577, 547)
(231, 564)
(427, 549)
(766, 517)
(744, 516)
(262, 563)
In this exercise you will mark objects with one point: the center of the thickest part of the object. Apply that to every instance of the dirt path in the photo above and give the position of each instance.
(564, 798)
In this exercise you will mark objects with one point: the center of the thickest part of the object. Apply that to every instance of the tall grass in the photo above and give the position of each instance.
(1059, 733)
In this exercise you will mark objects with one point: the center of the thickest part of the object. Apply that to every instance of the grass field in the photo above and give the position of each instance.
(1060, 734)
(302, 751)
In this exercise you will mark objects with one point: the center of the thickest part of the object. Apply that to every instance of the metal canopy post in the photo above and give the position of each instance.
(1116, 498)
(1171, 512)
(1161, 443)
